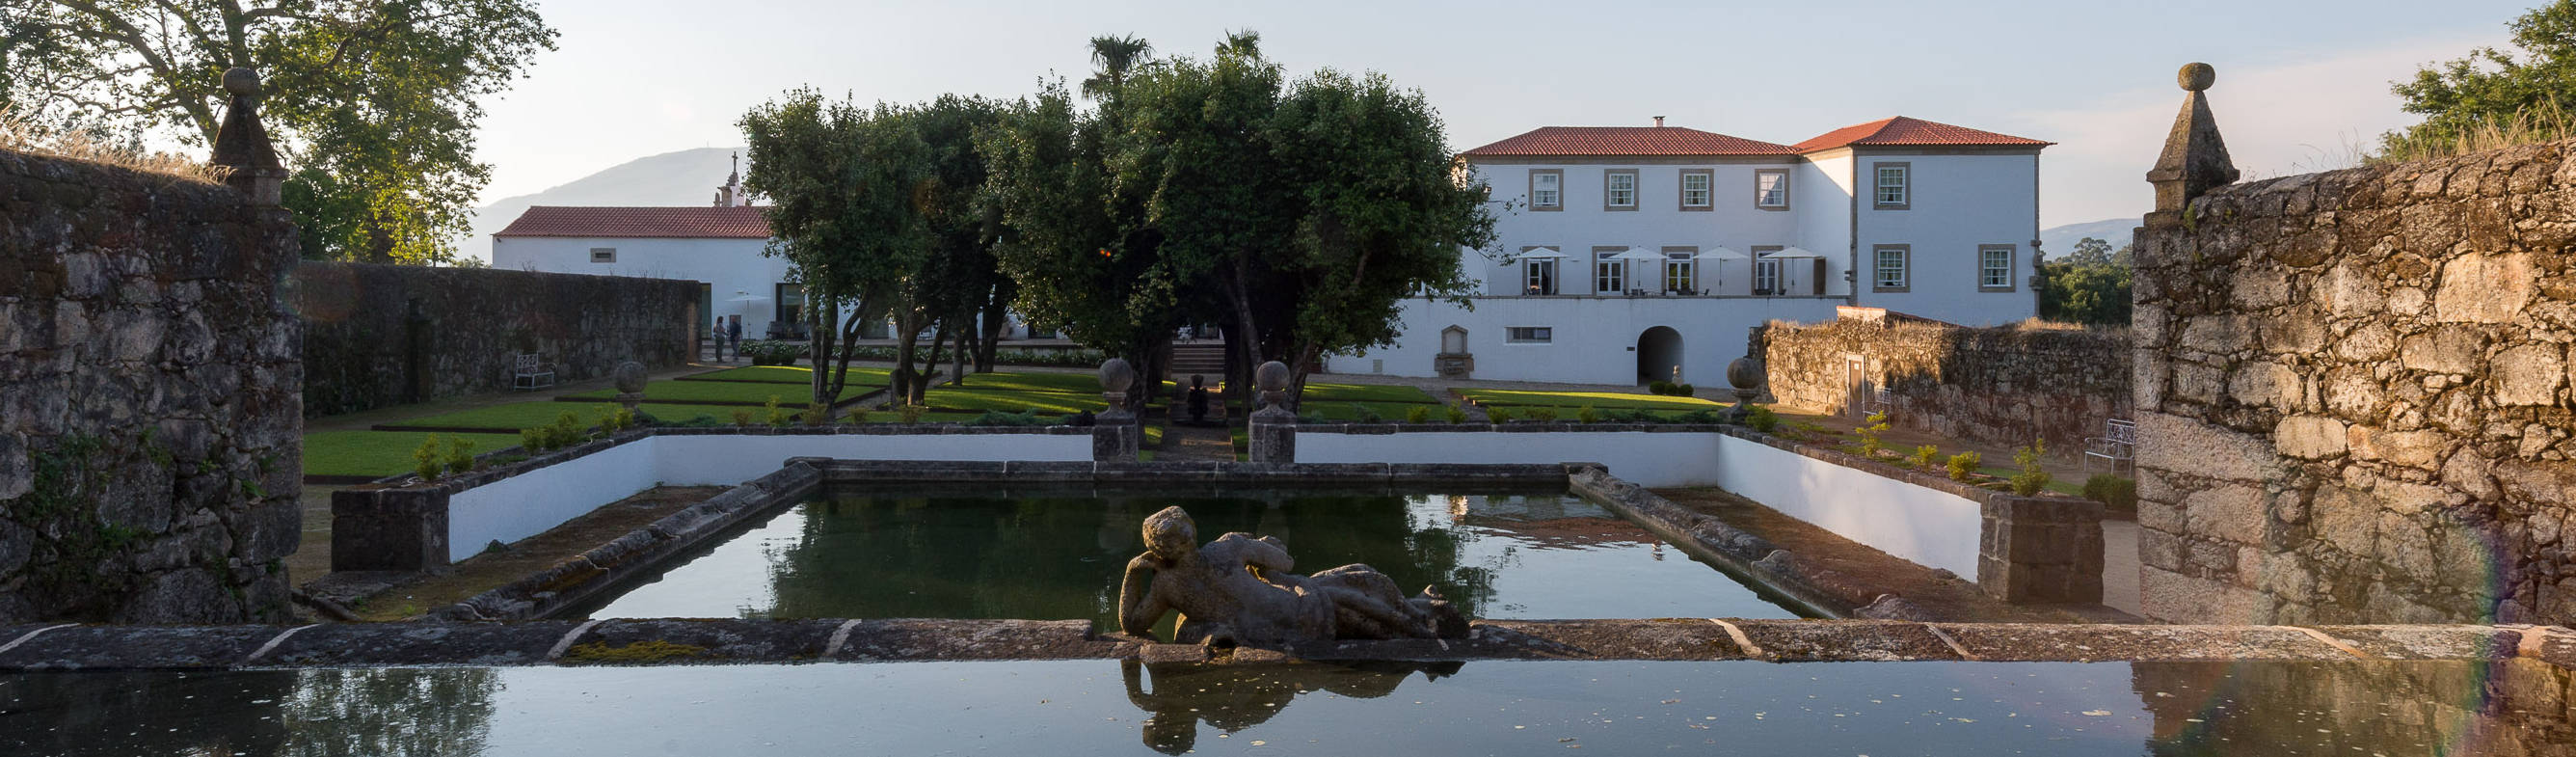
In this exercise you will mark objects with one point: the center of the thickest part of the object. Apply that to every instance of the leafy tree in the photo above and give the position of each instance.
(372, 103)
(2090, 286)
(2492, 87)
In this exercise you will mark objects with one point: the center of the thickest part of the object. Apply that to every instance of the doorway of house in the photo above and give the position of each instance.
(1659, 355)
(1856, 387)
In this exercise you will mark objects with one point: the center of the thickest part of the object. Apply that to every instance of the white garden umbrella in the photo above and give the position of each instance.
(1720, 256)
(1639, 253)
(1540, 253)
(1791, 253)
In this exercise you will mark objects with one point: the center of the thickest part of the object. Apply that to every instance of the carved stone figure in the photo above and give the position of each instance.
(1238, 590)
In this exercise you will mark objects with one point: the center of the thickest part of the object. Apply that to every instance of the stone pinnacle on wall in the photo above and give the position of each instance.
(242, 143)
(2195, 157)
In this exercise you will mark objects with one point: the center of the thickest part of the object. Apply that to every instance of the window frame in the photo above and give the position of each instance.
(1758, 174)
(1603, 266)
(1707, 190)
(2012, 265)
(1904, 185)
(1778, 275)
(1680, 257)
(1530, 268)
(1904, 268)
(596, 257)
(1559, 204)
(1636, 193)
(1521, 334)
(779, 306)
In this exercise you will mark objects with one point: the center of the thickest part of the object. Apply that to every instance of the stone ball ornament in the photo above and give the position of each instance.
(1271, 376)
(242, 81)
(1744, 373)
(630, 377)
(2197, 77)
(1116, 375)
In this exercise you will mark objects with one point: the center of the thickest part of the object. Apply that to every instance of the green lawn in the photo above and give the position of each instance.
(1071, 383)
(532, 414)
(380, 453)
(725, 391)
(1597, 400)
(1390, 412)
(1321, 392)
(789, 374)
(1013, 401)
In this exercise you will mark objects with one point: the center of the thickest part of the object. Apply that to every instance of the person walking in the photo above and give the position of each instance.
(716, 335)
(733, 332)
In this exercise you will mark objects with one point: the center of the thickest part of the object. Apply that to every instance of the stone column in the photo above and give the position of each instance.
(1116, 434)
(2041, 550)
(1274, 427)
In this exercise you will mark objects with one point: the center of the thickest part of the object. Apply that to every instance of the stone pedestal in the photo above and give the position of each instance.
(2035, 550)
(1273, 428)
(1116, 436)
(388, 529)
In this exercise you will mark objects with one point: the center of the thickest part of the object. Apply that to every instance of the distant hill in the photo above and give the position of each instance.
(684, 178)
(2059, 240)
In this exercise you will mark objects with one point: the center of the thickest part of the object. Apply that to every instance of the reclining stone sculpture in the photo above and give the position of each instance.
(1238, 590)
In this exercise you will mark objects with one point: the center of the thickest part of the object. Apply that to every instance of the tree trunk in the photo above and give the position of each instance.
(921, 381)
(996, 314)
(957, 362)
(909, 323)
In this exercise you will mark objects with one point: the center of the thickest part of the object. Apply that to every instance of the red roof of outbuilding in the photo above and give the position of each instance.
(1626, 140)
(668, 223)
(1912, 131)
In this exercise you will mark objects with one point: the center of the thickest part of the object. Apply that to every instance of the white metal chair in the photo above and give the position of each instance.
(529, 372)
(1881, 401)
(2118, 445)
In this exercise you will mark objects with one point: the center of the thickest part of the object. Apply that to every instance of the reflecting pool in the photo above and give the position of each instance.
(1086, 707)
(943, 555)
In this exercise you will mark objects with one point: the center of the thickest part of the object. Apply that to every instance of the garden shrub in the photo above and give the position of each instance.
(776, 417)
(1418, 414)
(1869, 431)
(1455, 414)
(2031, 479)
(1964, 465)
(2114, 491)
(817, 413)
(428, 464)
(460, 454)
(742, 417)
(1762, 419)
(769, 352)
(910, 413)
(1542, 414)
(1366, 414)
(566, 431)
(1498, 414)
(1924, 456)
(1587, 414)
(533, 439)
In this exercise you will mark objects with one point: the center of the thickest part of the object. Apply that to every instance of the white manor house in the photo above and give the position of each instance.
(1630, 254)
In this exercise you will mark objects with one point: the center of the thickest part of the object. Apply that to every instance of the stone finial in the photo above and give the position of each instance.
(1116, 375)
(242, 143)
(1272, 379)
(1745, 374)
(630, 377)
(2195, 156)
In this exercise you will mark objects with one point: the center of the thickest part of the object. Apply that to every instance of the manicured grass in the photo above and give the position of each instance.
(1390, 412)
(789, 374)
(1072, 383)
(380, 453)
(533, 414)
(793, 395)
(722, 413)
(1321, 392)
(1013, 401)
(1597, 400)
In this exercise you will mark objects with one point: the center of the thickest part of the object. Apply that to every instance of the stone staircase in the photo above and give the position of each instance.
(1206, 359)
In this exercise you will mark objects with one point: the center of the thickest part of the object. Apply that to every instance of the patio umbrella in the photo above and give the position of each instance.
(1639, 253)
(1720, 255)
(1791, 253)
(1540, 253)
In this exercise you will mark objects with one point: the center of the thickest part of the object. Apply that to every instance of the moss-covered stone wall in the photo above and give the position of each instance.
(149, 398)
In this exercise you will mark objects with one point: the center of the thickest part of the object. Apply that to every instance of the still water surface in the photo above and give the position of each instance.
(1101, 707)
(1060, 557)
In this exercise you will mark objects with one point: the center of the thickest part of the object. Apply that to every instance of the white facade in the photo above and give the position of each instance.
(730, 268)
(1960, 246)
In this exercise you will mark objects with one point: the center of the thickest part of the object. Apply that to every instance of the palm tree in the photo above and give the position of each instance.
(1115, 56)
(1246, 43)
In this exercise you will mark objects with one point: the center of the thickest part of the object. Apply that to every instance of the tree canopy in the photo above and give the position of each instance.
(372, 102)
(2528, 86)
(2089, 286)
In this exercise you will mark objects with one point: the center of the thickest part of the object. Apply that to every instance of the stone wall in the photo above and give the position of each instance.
(2354, 394)
(378, 335)
(2004, 385)
(149, 395)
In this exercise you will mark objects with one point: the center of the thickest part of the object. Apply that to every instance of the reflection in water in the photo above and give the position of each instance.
(1236, 697)
(304, 713)
(1093, 707)
(1057, 557)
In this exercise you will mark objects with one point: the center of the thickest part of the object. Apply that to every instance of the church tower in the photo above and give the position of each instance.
(731, 195)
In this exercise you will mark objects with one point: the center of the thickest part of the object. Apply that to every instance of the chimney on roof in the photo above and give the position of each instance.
(1659, 122)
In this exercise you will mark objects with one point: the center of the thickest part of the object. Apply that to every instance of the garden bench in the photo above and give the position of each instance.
(528, 372)
(2118, 444)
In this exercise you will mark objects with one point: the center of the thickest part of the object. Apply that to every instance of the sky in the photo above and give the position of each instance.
(2300, 85)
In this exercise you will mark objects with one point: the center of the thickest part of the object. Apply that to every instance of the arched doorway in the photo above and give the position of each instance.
(1659, 355)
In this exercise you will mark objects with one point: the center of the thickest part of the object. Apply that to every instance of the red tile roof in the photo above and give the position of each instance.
(1626, 140)
(1912, 131)
(668, 223)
